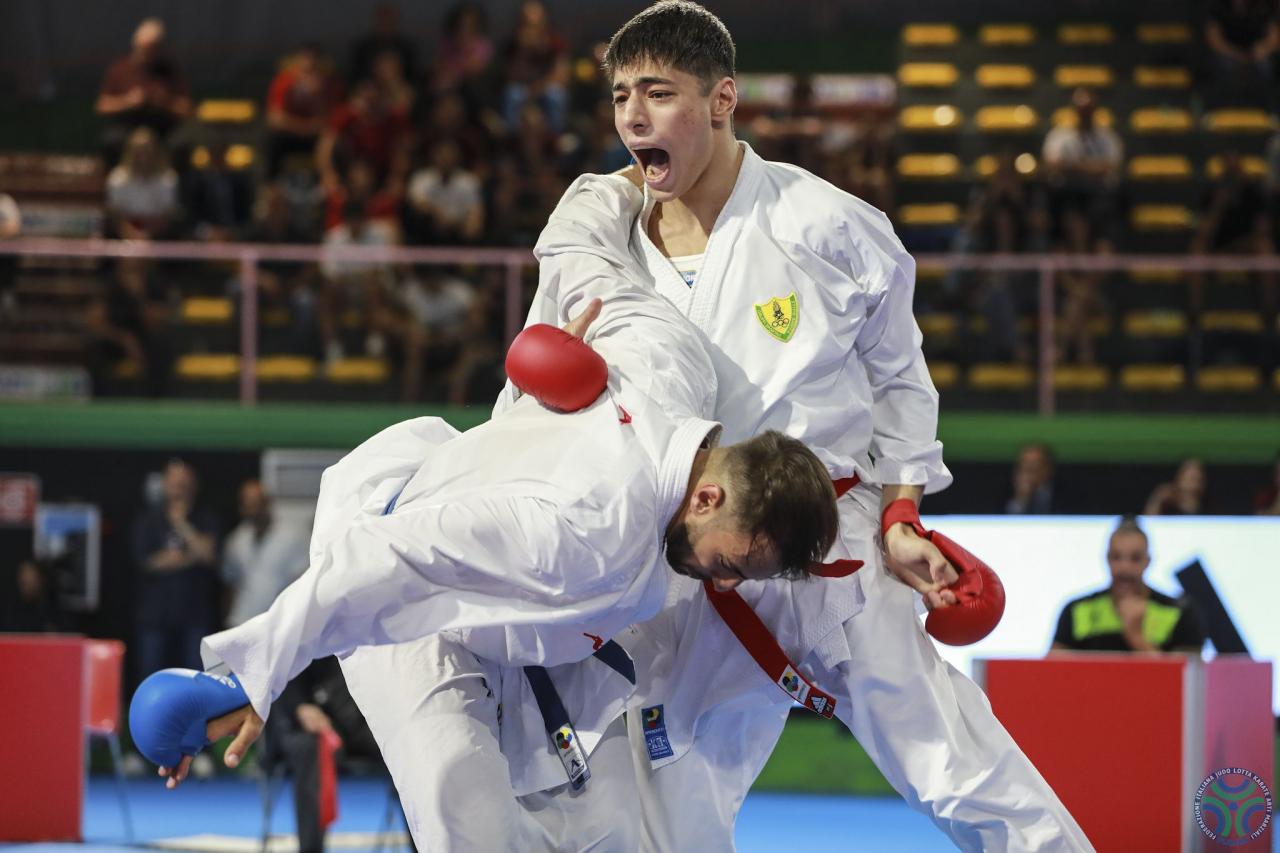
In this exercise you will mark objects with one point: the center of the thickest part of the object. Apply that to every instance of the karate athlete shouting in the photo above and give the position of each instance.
(552, 531)
(806, 296)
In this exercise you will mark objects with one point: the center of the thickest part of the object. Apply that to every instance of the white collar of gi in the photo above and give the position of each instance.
(752, 167)
(690, 436)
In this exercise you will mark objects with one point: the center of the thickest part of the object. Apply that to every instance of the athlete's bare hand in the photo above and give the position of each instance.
(919, 564)
(578, 325)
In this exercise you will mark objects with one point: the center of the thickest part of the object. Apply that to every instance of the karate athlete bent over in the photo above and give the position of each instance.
(543, 532)
(805, 294)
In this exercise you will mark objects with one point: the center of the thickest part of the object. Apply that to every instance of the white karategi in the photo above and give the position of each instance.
(849, 379)
(545, 529)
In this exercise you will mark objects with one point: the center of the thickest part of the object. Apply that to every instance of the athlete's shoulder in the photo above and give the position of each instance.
(836, 225)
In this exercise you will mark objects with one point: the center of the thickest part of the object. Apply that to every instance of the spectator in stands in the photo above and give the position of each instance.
(144, 89)
(386, 36)
(175, 552)
(1243, 37)
(449, 119)
(446, 201)
(129, 327)
(1185, 495)
(868, 162)
(314, 703)
(464, 53)
(399, 94)
(1007, 214)
(1032, 481)
(261, 556)
(1233, 220)
(301, 96)
(1266, 501)
(793, 133)
(142, 191)
(1083, 164)
(29, 607)
(536, 68)
(218, 199)
(478, 372)
(365, 128)
(380, 205)
(1128, 615)
(10, 227)
(282, 285)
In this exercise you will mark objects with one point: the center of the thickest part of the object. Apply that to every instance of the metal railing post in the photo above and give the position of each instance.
(248, 328)
(514, 302)
(1047, 344)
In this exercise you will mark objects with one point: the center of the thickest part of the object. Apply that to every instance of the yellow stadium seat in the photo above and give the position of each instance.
(1275, 379)
(1160, 217)
(1094, 76)
(1249, 322)
(240, 156)
(207, 309)
(1006, 35)
(1229, 379)
(928, 166)
(1164, 33)
(1253, 166)
(944, 374)
(1066, 117)
(1078, 35)
(930, 35)
(226, 111)
(1238, 121)
(1025, 164)
(936, 118)
(942, 213)
(927, 75)
(1163, 323)
(358, 370)
(1167, 167)
(939, 325)
(1160, 120)
(286, 368)
(1018, 118)
(1001, 377)
(994, 76)
(1162, 77)
(1081, 378)
(208, 367)
(1153, 377)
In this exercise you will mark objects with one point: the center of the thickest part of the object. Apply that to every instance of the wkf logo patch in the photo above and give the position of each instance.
(794, 685)
(779, 316)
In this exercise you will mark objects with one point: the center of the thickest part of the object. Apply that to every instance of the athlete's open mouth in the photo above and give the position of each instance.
(654, 163)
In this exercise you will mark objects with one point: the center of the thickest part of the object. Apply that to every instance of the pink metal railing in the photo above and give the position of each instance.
(248, 255)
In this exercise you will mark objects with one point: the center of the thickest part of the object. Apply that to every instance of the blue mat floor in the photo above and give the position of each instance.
(228, 813)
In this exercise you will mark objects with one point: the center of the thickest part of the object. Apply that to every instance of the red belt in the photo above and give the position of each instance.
(760, 643)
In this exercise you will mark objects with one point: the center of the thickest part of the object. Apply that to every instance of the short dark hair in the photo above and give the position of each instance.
(1129, 524)
(783, 495)
(676, 33)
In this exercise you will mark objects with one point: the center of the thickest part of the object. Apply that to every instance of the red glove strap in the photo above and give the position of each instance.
(902, 510)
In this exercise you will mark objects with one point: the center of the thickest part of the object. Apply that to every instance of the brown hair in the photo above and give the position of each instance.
(783, 493)
(675, 33)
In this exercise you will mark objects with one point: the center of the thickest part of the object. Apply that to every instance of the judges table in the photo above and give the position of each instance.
(1136, 746)
(42, 716)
